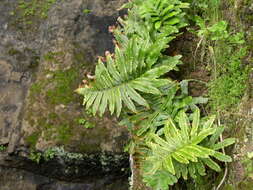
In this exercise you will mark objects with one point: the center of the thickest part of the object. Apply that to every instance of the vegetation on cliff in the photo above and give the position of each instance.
(172, 139)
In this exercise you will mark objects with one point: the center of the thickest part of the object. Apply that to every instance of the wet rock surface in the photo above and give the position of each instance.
(23, 180)
(42, 62)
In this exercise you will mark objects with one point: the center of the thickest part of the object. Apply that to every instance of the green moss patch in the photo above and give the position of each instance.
(27, 10)
(51, 97)
(63, 93)
(32, 139)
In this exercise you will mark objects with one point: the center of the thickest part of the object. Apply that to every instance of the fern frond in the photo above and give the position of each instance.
(161, 180)
(123, 78)
(166, 15)
(180, 150)
(173, 99)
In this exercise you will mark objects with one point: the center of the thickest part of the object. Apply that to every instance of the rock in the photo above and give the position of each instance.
(10, 108)
(21, 180)
(41, 66)
(16, 76)
(5, 71)
(71, 42)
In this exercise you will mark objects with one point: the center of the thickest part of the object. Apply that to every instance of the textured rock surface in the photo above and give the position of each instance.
(240, 171)
(42, 62)
(22, 180)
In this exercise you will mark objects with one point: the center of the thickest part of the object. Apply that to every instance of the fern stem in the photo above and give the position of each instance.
(131, 181)
(226, 166)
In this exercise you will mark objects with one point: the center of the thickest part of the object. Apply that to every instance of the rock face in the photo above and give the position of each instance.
(240, 171)
(71, 41)
(23, 180)
(46, 50)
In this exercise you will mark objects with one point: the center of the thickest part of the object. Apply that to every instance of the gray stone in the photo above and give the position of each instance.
(38, 106)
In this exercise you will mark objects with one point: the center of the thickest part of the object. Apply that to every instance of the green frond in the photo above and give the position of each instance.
(125, 77)
(167, 104)
(161, 180)
(164, 14)
(181, 149)
(223, 144)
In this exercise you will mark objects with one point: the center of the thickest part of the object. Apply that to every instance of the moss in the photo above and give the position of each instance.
(42, 122)
(32, 139)
(93, 144)
(36, 88)
(54, 126)
(53, 57)
(64, 133)
(89, 148)
(13, 52)
(79, 57)
(49, 133)
(244, 11)
(53, 116)
(65, 82)
(27, 10)
(228, 187)
(34, 62)
(85, 123)
(246, 184)
(52, 89)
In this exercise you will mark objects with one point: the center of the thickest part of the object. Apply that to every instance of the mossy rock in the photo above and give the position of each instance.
(54, 115)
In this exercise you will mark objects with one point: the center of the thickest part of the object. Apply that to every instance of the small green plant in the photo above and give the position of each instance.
(55, 152)
(248, 164)
(81, 121)
(89, 125)
(2, 148)
(86, 11)
(86, 124)
(49, 154)
(60, 152)
(35, 156)
(228, 86)
(223, 50)
(217, 31)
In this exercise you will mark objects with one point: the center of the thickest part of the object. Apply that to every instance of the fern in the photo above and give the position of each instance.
(180, 149)
(175, 145)
(173, 99)
(160, 180)
(165, 15)
(125, 76)
(135, 69)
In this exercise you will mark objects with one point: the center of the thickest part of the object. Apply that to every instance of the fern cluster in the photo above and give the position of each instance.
(136, 66)
(183, 149)
(131, 83)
